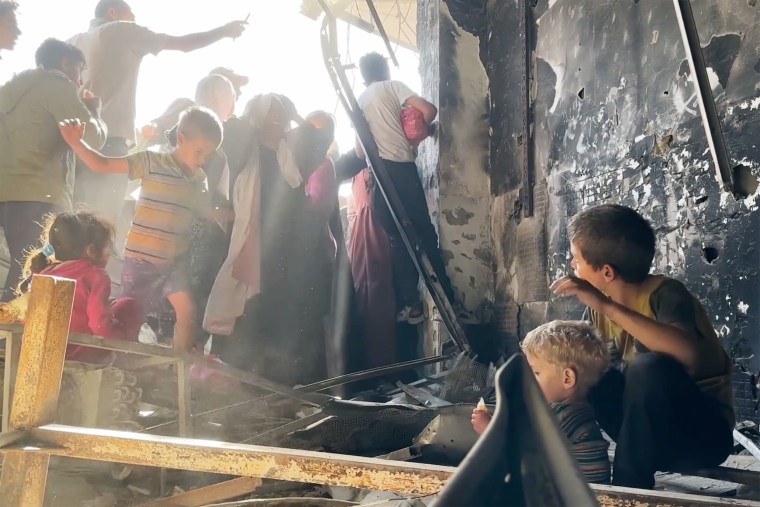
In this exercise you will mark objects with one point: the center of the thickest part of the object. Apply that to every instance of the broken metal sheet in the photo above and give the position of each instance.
(363, 428)
(422, 395)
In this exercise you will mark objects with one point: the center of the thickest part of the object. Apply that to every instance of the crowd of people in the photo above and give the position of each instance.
(236, 231)
(237, 227)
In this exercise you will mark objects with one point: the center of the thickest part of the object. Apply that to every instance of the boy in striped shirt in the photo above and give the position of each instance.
(568, 358)
(174, 191)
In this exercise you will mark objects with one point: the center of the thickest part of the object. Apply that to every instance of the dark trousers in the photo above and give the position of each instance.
(660, 421)
(409, 188)
(22, 223)
(103, 193)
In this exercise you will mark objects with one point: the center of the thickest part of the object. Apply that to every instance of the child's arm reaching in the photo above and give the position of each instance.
(72, 132)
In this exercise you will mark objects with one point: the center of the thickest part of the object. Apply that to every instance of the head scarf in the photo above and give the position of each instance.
(216, 93)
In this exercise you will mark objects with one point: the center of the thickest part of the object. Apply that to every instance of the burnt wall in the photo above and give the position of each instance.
(454, 165)
(614, 119)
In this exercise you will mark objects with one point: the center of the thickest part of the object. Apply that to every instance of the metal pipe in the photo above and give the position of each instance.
(705, 99)
(381, 29)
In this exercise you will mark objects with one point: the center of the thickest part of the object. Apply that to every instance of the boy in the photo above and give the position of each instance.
(382, 104)
(36, 166)
(568, 358)
(174, 190)
(670, 408)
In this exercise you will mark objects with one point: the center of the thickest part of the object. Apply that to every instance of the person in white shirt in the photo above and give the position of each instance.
(114, 47)
(382, 104)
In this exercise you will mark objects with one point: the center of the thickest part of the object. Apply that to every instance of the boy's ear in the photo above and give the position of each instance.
(569, 378)
(608, 272)
(91, 252)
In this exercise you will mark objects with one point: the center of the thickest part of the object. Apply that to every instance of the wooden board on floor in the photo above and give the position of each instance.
(215, 493)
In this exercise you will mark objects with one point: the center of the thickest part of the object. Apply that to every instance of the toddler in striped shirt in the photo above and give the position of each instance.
(568, 358)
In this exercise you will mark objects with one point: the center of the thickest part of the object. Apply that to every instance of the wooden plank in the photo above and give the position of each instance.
(240, 460)
(38, 382)
(301, 466)
(11, 437)
(615, 496)
(184, 400)
(215, 493)
(747, 443)
(12, 353)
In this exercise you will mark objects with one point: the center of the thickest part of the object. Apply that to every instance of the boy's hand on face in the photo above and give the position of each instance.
(581, 289)
(480, 420)
(72, 131)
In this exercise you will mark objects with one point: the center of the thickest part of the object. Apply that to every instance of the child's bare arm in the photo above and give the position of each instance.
(654, 335)
(480, 420)
(72, 132)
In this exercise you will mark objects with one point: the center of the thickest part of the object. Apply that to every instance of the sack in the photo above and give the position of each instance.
(415, 128)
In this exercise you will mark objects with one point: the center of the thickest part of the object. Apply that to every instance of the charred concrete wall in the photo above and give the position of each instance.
(613, 118)
(454, 167)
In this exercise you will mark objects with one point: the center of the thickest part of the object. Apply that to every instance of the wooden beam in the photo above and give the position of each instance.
(38, 382)
(615, 496)
(241, 460)
(302, 466)
(215, 493)
(12, 354)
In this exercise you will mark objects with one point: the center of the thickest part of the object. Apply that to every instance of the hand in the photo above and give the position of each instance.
(149, 132)
(72, 131)
(234, 29)
(480, 421)
(93, 103)
(581, 289)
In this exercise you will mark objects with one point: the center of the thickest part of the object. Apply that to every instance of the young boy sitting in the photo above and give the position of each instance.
(568, 358)
(174, 191)
(670, 408)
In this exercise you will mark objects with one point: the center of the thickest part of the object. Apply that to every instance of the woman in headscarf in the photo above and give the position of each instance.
(218, 94)
(261, 310)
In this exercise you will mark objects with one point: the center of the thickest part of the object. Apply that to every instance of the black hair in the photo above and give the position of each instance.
(615, 235)
(329, 120)
(70, 234)
(52, 51)
(101, 10)
(374, 67)
(7, 7)
(198, 120)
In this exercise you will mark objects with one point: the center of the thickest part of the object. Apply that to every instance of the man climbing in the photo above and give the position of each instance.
(383, 103)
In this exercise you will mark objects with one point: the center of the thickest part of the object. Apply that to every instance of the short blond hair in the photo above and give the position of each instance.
(570, 344)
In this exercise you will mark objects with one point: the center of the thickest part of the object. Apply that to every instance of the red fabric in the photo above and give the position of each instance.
(322, 188)
(370, 254)
(416, 129)
(92, 313)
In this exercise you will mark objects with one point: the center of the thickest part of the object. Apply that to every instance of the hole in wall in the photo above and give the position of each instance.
(710, 254)
(745, 183)
(665, 92)
(701, 199)
(582, 93)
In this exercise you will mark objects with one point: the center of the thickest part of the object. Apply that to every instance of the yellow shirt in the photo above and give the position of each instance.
(713, 371)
